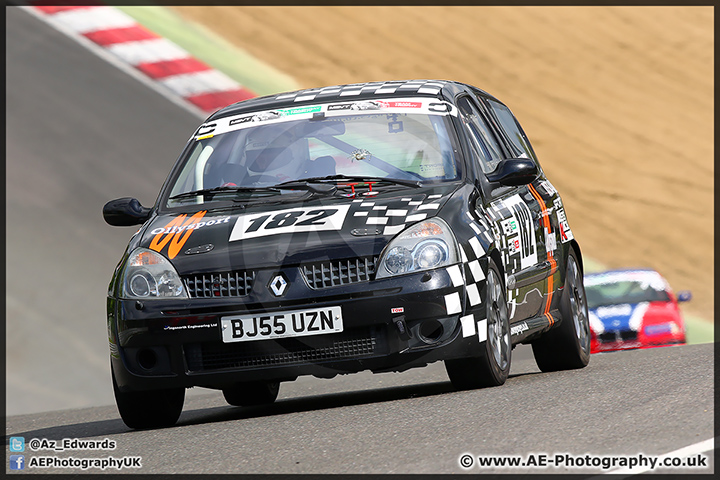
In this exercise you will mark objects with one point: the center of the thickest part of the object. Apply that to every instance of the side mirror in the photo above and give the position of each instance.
(513, 172)
(684, 296)
(124, 212)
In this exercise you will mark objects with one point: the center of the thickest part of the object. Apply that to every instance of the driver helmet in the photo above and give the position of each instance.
(273, 152)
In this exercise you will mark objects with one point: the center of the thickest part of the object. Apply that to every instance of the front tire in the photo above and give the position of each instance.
(492, 366)
(150, 409)
(251, 393)
(568, 346)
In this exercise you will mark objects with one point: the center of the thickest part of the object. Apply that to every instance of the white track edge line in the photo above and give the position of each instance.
(109, 57)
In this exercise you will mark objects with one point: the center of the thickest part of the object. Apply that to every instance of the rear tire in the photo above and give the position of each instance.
(492, 366)
(251, 393)
(150, 409)
(567, 346)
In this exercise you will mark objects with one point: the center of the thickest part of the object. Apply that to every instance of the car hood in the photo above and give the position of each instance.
(263, 235)
(621, 317)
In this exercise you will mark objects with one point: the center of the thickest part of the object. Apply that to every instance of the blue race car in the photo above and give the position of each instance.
(633, 309)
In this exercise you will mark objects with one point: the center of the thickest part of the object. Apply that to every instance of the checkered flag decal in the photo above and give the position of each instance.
(393, 220)
(470, 274)
(428, 87)
(471, 253)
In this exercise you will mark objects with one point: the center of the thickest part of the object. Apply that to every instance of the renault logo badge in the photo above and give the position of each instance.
(278, 285)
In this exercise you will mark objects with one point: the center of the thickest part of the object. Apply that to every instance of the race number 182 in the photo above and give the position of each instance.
(308, 219)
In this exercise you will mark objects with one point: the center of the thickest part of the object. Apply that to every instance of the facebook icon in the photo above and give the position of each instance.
(17, 462)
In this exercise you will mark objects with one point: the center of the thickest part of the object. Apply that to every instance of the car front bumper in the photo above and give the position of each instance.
(599, 347)
(389, 324)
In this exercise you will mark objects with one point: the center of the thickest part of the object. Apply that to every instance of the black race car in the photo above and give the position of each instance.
(377, 226)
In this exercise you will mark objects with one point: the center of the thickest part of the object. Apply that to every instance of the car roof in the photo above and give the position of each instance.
(443, 89)
(619, 275)
(620, 271)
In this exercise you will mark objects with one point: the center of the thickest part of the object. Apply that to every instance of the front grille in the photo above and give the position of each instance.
(618, 336)
(213, 285)
(339, 272)
(283, 351)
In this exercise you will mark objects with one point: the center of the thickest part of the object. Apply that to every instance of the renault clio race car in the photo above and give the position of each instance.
(633, 309)
(378, 226)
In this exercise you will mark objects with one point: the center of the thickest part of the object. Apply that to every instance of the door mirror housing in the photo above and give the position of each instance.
(684, 296)
(124, 212)
(514, 172)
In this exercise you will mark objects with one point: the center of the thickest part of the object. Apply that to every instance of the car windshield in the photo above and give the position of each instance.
(409, 141)
(623, 291)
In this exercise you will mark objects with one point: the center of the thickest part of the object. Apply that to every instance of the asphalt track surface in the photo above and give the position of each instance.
(81, 132)
(645, 401)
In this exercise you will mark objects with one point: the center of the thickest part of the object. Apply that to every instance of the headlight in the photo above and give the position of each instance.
(596, 325)
(150, 275)
(662, 328)
(424, 246)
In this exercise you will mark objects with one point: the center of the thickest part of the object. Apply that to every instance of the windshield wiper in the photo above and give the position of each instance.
(306, 184)
(230, 189)
(275, 189)
(312, 184)
(350, 178)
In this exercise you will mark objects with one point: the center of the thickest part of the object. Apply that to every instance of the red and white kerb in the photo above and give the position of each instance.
(157, 58)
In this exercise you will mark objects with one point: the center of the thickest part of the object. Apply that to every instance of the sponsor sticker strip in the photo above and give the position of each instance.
(548, 251)
(565, 233)
(399, 106)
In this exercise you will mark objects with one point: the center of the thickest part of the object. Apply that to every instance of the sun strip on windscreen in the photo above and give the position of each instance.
(425, 106)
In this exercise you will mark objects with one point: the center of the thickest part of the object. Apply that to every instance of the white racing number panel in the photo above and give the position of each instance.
(296, 323)
(307, 219)
(525, 243)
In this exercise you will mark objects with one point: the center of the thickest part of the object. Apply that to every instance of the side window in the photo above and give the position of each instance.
(482, 139)
(513, 132)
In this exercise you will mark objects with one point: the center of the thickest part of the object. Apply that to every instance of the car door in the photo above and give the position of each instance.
(512, 211)
(552, 224)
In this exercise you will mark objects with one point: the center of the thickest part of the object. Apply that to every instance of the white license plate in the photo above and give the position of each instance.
(297, 323)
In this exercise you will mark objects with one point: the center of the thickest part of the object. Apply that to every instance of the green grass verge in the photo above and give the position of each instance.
(698, 330)
(592, 266)
(212, 49)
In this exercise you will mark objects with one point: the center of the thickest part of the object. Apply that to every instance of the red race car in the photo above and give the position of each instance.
(633, 309)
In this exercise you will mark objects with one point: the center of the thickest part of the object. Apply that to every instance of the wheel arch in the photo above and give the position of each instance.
(495, 256)
(576, 247)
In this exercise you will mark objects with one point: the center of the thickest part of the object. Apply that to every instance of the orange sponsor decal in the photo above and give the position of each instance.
(176, 233)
